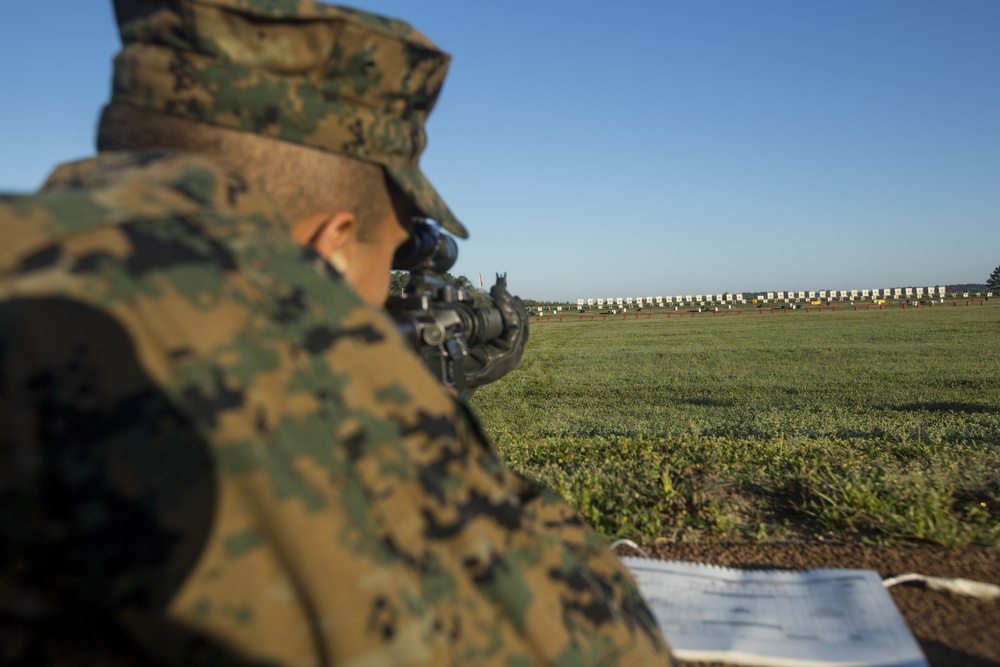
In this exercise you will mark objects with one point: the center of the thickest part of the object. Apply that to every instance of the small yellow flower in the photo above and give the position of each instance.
(983, 503)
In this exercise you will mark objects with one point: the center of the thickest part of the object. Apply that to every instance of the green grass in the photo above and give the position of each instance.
(877, 425)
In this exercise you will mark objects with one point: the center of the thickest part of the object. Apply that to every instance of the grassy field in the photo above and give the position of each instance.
(873, 425)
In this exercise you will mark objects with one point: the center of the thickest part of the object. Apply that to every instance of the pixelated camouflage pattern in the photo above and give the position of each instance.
(212, 452)
(330, 77)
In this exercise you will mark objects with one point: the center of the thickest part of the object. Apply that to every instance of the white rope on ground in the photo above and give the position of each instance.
(630, 544)
(976, 589)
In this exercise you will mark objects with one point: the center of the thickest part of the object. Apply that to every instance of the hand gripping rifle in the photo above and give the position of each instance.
(462, 345)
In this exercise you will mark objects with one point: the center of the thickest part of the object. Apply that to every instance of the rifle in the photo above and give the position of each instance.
(439, 319)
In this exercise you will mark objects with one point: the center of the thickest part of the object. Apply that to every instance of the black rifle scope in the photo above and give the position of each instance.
(438, 318)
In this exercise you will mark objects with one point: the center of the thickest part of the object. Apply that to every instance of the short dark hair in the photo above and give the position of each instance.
(300, 180)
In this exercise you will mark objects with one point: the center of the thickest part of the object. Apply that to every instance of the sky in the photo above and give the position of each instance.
(647, 148)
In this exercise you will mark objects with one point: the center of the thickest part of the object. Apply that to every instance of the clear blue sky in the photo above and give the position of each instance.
(640, 148)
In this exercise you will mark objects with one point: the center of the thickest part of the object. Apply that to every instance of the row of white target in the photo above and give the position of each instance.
(887, 293)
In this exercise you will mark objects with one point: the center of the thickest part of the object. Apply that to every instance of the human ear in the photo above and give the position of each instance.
(333, 237)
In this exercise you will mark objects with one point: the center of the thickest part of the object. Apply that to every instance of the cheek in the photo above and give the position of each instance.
(381, 264)
(376, 266)
(390, 243)
(383, 292)
(374, 263)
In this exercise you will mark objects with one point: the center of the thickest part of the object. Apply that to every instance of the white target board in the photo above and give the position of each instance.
(620, 301)
(919, 291)
(909, 291)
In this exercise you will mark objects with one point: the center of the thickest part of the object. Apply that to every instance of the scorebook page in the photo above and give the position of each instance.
(822, 617)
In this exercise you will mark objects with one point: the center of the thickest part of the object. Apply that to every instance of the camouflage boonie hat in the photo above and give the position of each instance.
(334, 78)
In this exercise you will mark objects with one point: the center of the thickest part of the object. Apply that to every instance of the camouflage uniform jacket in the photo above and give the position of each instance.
(212, 452)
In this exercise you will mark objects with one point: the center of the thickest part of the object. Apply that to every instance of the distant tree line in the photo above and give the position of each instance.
(480, 297)
(967, 287)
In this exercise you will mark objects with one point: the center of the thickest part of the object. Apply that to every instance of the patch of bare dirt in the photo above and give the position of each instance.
(953, 631)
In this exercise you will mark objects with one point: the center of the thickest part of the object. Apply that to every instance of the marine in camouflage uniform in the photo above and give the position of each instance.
(212, 450)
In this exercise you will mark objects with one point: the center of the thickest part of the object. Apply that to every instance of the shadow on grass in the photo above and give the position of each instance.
(938, 406)
(706, 402)
(872, 434)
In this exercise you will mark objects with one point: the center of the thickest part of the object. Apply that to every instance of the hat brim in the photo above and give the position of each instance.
(426, 199)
